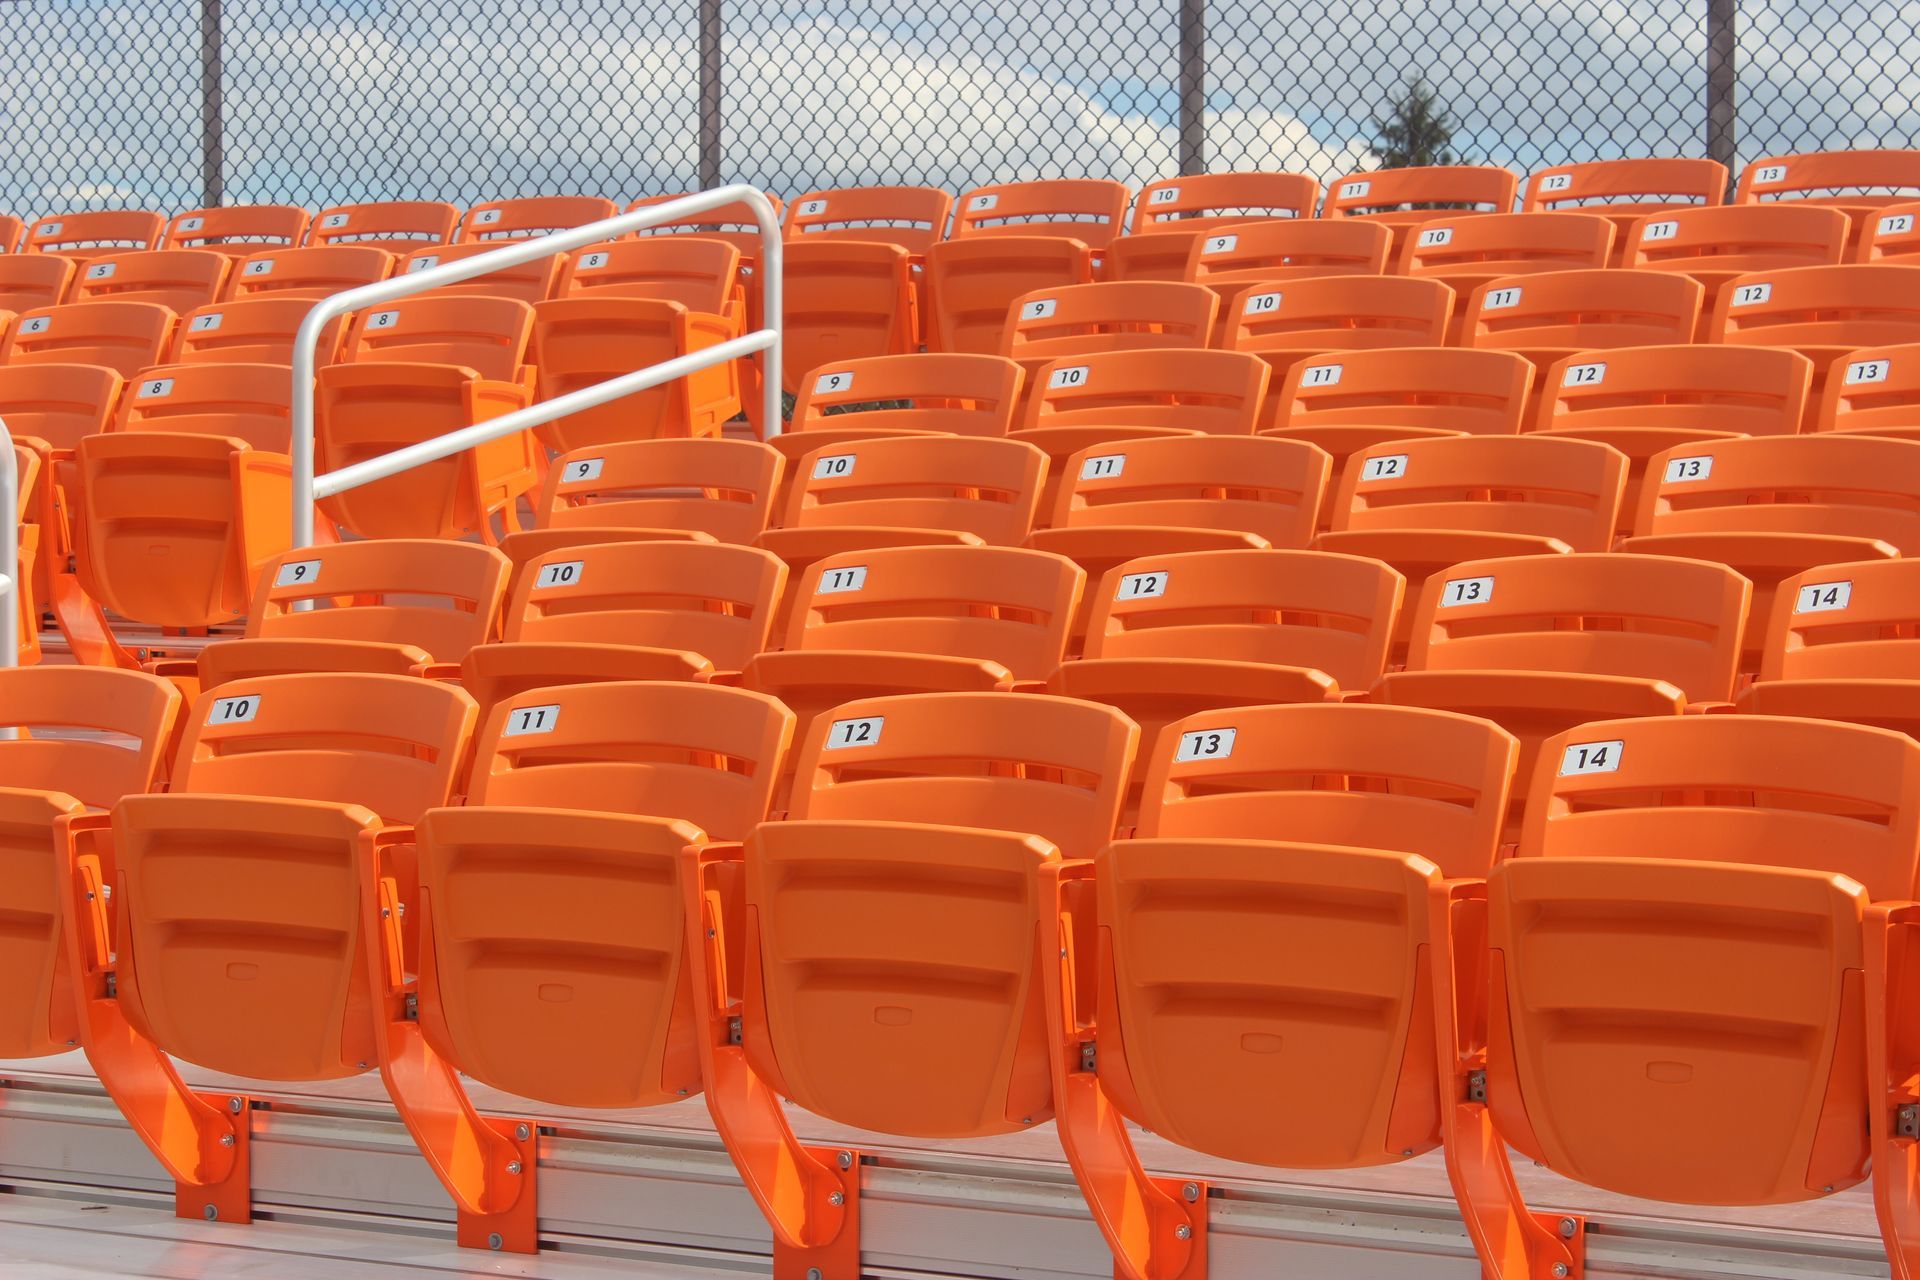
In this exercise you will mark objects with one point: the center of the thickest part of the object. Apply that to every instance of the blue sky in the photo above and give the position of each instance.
(331, 100)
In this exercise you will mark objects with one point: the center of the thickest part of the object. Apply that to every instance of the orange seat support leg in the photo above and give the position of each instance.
(810, 1196)
(1514, 1243)
(231, 1199)
(81, 621)
(517, 1228)
(1156, 1227)
(1893, 1064)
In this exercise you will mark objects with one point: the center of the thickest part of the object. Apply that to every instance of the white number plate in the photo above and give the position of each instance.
(834, 581)
(812, 208)
(156, 388)
(1897, 224)
(834, 466)
(297, 573)
(1868, 371)
(1389, 466)
(1770, 173)
(584, 469)
(864, 732)
(561, 573)
(1261, 304)
(826, 382)
(525, 720)
(1592, 757)
(1501, 299)
(1584, 375)
(1142, 586)
(1205, 744)
(1458, 591)
(1220, 244)
(1104, 467)
(234, 710)
(1680, 470)
(1663, 230)
(258, 267)
(1071, 376)
(1038, 309)
(1321, 375)
(1434, 237)
(1556, 182)
(1748, 295)
(1824, 597)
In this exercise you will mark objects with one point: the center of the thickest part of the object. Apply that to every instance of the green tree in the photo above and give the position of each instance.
(1417, 130)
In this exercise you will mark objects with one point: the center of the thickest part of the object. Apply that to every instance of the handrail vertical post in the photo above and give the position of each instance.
(9, 553)
(773, 276)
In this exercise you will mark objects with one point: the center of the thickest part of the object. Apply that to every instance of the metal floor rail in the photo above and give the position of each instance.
(653, 1193)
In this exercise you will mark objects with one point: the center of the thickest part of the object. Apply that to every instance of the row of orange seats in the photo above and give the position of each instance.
(1687, 983)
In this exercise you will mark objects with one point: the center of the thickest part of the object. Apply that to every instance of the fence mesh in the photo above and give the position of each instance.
(106, 104)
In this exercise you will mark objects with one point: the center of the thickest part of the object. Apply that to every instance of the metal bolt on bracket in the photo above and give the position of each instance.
(496, 1241)
(837, 1198)
(1561, 1270)
(211, 1213)
(1568, 1227)
(235, 1106)
(226, 1139)
(846, 1159)
(522, 1132)
(513, 1166)
(1191, 1191)
(1183, 1231)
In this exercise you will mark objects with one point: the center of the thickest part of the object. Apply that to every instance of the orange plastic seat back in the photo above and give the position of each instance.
(725, 488)
(1332, 613)
(85, 236)
(249, 331)
(1115, 316)
(1341, 313)
(529, 282)
(1544, 316)
(1890, 234)
(1615, 943)
(1832, 484)
(123, 336)
(1819, 311)
(1215, 392)
(1421, 193)
(1858, 182)
(485, 334)
(1418, 389)
(845, 300)
(699, 273)
(711, 599)
(1272, 488)
(976, 784)
(1466, 253)
(79, 737)
(1753, 391)
(12, 229)
(248, 402)
(29, 282)
(1871, 391)
(58, 403)
(498, 222)
(1090, 210)
(314, 272)
(972, 283)
(1004, 604)
(1715, 244)
(989, 488)
(733, 223)
(238, 231)
(1227, 261)
(398, 226)
(1202, 202)
(702, 753)
(178, 279)
(1628, 189)
(1607, 614)
(1538, 486)
(965, 395)
(440, 597)
(1857, 621)
(1369, 777)
(913, 218)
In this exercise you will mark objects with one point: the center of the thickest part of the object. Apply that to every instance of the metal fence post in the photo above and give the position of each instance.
(710, 29)
(1722, 82)
(212, 143)
(1193, 86)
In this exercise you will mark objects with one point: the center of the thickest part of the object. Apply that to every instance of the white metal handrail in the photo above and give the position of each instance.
(9, 551)
(309, 488)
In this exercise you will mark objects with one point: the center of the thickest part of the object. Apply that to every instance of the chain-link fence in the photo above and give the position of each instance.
(110, 103)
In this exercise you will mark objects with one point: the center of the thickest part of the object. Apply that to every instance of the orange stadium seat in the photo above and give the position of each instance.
(1821, 312)
(1195, 207)
(530, 282)
(563, 874)
(123, 336)
(314, 272)
(238, 231)
(1844, 644)
(1713, 245)
(732, 223)
(398, 226)
(253, 330)
(629, 611)
(1303, 318)
(296, 970)
(1890, 235)
(625, 305)
(1356, 399)
(1466, 254)
(725, 489)
(991, 791)
(846, 300)
(1770, 506)
(1743, 1065)
(178, 279)
(498, 222)
(398, 605)
(31, 281)
(54, 774)
(964, 395)
(1384, 812)
(1858, 182)
(972, 283)
(914, 218)
(1090, 210)
(1541, 644)
(1211, 392)
(1409, 197)
(1644, 400)
(415, 370)
(85, 236)
(246, 402)
(1627, 190)
(1171, 635)
(1078, 320)
(887, 620)
(1872, 391)
(1229, 262)
(1549, 316)
(58, 403)
(13, 231)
